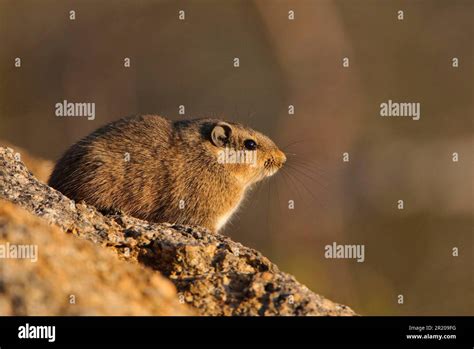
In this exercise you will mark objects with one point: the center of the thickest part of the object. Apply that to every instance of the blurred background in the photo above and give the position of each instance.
(285, 62)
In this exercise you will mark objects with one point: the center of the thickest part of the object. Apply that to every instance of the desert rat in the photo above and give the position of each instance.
(167, 171)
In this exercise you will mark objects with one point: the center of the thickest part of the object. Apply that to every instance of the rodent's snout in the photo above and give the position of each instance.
(275, 162)
(279, 158)
(282, 157)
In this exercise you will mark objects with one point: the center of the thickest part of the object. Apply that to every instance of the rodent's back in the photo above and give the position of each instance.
(115, 165)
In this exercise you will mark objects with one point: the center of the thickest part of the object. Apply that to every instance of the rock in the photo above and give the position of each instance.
(212, 273)
(70, 276)
(40, 168)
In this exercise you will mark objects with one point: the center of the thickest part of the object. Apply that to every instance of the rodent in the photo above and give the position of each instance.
(166, 171)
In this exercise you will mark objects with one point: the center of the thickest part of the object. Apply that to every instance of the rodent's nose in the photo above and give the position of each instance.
(282, 157)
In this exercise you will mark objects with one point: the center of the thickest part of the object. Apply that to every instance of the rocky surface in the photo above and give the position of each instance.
(41, 168)
(212, 273)
(64, 275)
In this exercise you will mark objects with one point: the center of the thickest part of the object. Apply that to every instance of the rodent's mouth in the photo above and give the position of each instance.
(271, 171)
(271, 167)
(274, 163)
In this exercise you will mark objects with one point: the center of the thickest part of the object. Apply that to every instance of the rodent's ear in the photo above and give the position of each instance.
(221, 134)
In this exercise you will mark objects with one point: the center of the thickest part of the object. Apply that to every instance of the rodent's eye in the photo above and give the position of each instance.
(250, 144)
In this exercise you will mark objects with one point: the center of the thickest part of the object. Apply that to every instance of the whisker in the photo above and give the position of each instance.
(294, 143)
(314, 179)
(268, 207)
(308, 167)
(293, 185)
(309, 191)
(312, 164)
(277, 193)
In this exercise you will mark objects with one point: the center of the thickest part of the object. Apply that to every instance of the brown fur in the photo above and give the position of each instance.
(169, 162)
